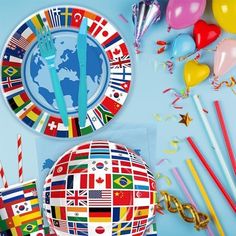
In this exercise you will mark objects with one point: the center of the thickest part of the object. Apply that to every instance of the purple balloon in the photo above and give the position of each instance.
(184, 13)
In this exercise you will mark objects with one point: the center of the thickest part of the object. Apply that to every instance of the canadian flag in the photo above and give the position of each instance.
(100, 181)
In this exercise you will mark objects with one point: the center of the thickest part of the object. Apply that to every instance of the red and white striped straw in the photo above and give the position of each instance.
(3, 177)
(225, 135)
(20, 159)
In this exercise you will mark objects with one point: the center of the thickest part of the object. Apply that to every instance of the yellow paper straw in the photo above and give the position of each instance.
(205, 196)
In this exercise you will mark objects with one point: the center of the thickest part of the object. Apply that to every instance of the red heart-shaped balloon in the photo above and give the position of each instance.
(204, 33)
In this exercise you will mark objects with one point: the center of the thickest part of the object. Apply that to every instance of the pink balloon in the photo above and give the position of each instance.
(225, 57)
(184, 13)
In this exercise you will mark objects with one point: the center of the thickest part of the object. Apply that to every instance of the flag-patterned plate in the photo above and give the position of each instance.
(100, 188)
(25, 78)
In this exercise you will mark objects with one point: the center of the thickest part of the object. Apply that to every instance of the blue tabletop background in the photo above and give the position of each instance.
(137, 116)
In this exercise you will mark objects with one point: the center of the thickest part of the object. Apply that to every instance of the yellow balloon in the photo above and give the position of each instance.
(195, 73)
(225, 14)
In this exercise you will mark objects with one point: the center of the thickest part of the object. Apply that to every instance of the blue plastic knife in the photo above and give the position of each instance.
(82, 56)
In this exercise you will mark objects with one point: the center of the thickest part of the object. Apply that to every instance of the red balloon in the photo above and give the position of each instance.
(204, 33)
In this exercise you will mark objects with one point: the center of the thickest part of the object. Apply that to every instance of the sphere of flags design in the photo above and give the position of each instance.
(100, 188)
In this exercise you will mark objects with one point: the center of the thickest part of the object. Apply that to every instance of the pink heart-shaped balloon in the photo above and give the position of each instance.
(225, 57)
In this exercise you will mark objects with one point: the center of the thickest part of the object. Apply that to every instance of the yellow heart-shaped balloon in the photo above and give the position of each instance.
(195, 73)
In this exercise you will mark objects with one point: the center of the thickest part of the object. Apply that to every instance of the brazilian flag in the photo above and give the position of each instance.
(122, 181)
(29, 228)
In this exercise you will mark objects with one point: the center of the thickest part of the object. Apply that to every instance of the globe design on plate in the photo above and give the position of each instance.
(100, 188)
(37, 77)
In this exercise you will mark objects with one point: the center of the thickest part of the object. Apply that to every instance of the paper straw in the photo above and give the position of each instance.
(225, 135)
(187, 194)
(215, 145)
(20, 159)
(3, 177)
(205, 197)
(211, 172)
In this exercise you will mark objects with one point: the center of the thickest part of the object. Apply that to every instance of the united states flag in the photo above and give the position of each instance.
(99, 197)
(20, 41)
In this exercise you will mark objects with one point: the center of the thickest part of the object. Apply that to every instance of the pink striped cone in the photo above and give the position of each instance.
(3, 177)
(20, 159)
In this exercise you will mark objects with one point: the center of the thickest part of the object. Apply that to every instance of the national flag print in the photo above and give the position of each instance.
(52, 126)
(13, 56)
(65, 15)
(120, 155)
(9, 83)
(141, 212)
(22, 208)
(122, 214)
(60, 224)
(116, 95)
(152, 184)
(81, 152)
(141, 197)
(58, 212)
(99, 166)
(111, 105)
(122, 229)
(77, 214)
(29, 228)
(77, 168)
(76, 18)
(77, 197)
(117, 49)
(99, 150)
(97, 27)
(100, 181)
(153, 197)
(62, 130)
(123, 197)
(100, 214)
(122, 167)
(122, 181)
(55, 185)
(120, 62)
(77, 181)
(20, 41)
(95, 121)
(100, 197)
(11, 71)
(78, 228)
(12, 196)
(139, 226)
(60, 169)
(58, 194)
(54, 14)
(104, 113)
(3, 214)
(139, 169)
(25, 32)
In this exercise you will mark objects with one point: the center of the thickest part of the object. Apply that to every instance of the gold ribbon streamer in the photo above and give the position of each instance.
(230, 84)
(186, 211)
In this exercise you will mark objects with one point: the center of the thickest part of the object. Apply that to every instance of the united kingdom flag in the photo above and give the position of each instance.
(77, 198)
(120, 62)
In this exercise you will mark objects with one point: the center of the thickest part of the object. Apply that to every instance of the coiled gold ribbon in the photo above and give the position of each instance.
(187, 211)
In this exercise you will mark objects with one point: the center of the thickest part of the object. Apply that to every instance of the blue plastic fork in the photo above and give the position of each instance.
(48, 52)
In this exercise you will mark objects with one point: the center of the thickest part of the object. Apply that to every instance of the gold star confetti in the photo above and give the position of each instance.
(185, 119)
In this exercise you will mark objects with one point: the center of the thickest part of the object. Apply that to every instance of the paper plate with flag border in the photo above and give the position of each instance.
(25, 78)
